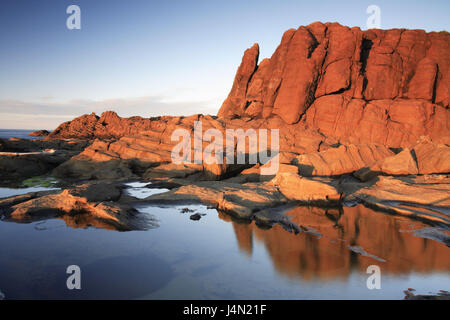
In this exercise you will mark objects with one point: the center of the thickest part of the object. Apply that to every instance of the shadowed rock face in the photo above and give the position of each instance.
(21, 159)
(377, 86)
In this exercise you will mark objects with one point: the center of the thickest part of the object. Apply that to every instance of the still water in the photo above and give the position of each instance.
(218, 257)
(16, 133)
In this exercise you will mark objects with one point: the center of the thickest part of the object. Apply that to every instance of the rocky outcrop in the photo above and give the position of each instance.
(383, 87)
(345, 101)
(342, 99)
(243, 75)
(386, 87)
(148, 154)
(93, 204)
(108, 125)
(39, 133)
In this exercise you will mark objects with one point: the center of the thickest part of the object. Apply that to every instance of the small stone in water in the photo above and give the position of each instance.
(195, 216)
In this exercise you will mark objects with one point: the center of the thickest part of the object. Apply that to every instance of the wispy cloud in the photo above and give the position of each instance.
(49, 114)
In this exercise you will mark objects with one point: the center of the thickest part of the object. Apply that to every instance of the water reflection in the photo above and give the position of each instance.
(310, 256)
(221, 258)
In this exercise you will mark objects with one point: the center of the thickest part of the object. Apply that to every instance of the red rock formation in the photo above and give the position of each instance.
(243, 74)
(385, 87)
(108, 125)
(39, 133)
(325, 85)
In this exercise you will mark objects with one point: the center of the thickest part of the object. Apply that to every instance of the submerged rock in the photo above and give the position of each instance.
(441, 295)
(362, 252)
(436, 234)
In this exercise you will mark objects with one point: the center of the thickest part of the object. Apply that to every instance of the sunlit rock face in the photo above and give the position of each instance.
(324, 250)
(342, 99)
(385, 87)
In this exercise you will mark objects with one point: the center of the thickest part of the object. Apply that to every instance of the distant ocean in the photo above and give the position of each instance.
(14, 133)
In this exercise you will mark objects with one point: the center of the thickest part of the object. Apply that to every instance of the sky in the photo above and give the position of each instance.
(148, 58)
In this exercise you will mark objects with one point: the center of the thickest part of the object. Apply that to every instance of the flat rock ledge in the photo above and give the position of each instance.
(246, 200)
(423, 198)
(91, 204)
(103, 203)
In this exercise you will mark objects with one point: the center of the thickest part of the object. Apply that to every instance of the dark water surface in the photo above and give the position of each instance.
(16, 133)
(220, 258)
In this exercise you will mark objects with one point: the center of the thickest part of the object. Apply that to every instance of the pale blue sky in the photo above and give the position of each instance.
(155, 57)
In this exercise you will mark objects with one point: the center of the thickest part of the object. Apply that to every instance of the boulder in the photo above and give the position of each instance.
(432, 158)
(295, 187)
(341, 160)
(402, 163)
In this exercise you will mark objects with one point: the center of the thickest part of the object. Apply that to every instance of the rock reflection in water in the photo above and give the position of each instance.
(329, 256)
(83, 220)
